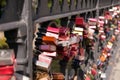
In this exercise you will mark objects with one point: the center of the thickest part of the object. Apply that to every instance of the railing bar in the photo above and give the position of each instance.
(43, 19)
(12, 25)
(108, 6)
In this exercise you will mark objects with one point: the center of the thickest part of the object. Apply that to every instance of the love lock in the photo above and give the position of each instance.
(7, 59)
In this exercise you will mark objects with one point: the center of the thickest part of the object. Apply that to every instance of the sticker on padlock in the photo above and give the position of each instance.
(77, 32)
(51, 54)
(52, 35)
(64, 43)
(78, 29)
(92, 27)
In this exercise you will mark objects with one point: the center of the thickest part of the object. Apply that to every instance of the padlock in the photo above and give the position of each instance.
(92, 21)
(77, 32)
(50, 54)
(58, 76)
(64, 31)
(78, 29)
(92, 27)
(6, 70)
(101, 18)
(49, 40)
(53, 29)
(52, 35)
(64, 43)
(101, 23)
(6, 77)
(44, 62)
(79, 21)
(50, 48)
(64, 37)
(7, 57)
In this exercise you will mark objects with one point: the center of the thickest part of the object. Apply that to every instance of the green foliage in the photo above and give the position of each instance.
(3, 3)
(60, 2)
(3, 44)
(58, 22)
(49, 3)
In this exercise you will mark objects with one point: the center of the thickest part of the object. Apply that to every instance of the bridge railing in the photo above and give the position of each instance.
(19, 16)
(65, 7)
(16, 22)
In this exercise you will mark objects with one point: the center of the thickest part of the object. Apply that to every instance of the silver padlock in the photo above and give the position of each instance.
(7, 57)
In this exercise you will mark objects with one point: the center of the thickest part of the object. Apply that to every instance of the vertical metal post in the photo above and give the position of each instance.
(27, 17)
(97, 9)
(66, 74)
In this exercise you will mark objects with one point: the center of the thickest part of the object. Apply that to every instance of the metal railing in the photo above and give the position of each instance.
(19, 18)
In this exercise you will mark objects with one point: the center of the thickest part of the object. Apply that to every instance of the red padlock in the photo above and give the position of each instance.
(79, 21)
(5, 77)
(6, 70)
(6, 64)
(53, 29)
(64, 31)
